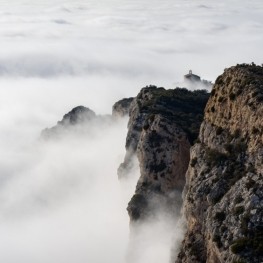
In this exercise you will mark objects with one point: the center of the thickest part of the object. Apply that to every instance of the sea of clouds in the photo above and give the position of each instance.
(61, 201)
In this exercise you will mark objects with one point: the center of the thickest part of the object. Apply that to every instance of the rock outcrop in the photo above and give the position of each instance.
(76, 117)
(121, 107)
(162, 126)
(80, 120)
(223, 197)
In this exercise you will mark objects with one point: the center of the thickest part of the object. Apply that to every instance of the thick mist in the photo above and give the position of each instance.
(140, 41)
(61, 201)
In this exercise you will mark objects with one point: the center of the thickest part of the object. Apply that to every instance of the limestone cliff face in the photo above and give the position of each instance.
(162, 126)
(223, 197)
(163, 153)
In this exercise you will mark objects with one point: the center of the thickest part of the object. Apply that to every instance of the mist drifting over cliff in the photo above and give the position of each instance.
(61, 201)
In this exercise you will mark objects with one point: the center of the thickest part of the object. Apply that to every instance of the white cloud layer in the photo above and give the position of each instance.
(61, 202)
(127, 39)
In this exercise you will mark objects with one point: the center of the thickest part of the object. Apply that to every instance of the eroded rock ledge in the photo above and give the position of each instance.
(223, 197)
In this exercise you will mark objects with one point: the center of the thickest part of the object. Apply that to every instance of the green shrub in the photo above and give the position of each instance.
(182, 106)
(220, 216)
(239, 245)
(219, 130)
(217, 240)
(239, 261)
(255, 130)
(239, 199)
(213, 109)
(232, 96)
(253, 244)
(193, 161)
(236, 133)
(221, 99)
(239, 210)
(214, 157)
(250, 183)
(244, 223)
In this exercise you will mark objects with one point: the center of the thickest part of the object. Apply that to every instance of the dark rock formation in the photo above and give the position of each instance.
(162, 126)
(79, 119)
(223, 197)
(77, 115)
(121, 107)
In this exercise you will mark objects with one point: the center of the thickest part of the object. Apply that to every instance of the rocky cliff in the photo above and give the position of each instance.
(80, 120)
(221, 174)
(121, 107)
(223, 197)
(162, 126)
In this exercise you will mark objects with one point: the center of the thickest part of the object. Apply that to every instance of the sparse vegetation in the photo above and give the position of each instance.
(255, 130)
(193, 162)
(236, 133)
(239, 199)
(239, 210)
(219, 130)
(231, 190)
(220, 216)
(232, 96)
(217, 240)
(250, 183)
(184, 107)
(157, 167)
(253, 244)
(240, 261)
(214, 157)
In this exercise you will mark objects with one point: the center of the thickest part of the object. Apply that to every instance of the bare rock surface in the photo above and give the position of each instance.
(162, 126)
(223, 196)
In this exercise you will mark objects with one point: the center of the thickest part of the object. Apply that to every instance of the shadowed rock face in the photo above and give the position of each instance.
(78, 116)
(121, 107)
(162, 125)
(79, 121)
(223, 197)
(163, 153)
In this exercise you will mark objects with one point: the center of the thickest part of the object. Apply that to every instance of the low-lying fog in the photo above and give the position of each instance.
(61, 201)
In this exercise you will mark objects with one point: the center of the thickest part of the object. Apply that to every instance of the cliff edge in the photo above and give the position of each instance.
(162, 126)
(223, 197)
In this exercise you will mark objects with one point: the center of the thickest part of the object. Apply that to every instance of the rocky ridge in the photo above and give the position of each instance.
(82, 119)
(78, 121)
(223, 197)
(162, 126)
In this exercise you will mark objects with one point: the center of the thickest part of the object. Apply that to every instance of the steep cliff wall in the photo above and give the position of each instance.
(162, 126)
(223, 197)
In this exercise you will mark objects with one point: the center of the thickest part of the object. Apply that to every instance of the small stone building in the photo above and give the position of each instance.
(190, 77)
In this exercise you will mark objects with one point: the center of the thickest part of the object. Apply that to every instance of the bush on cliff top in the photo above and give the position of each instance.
(183, 106)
